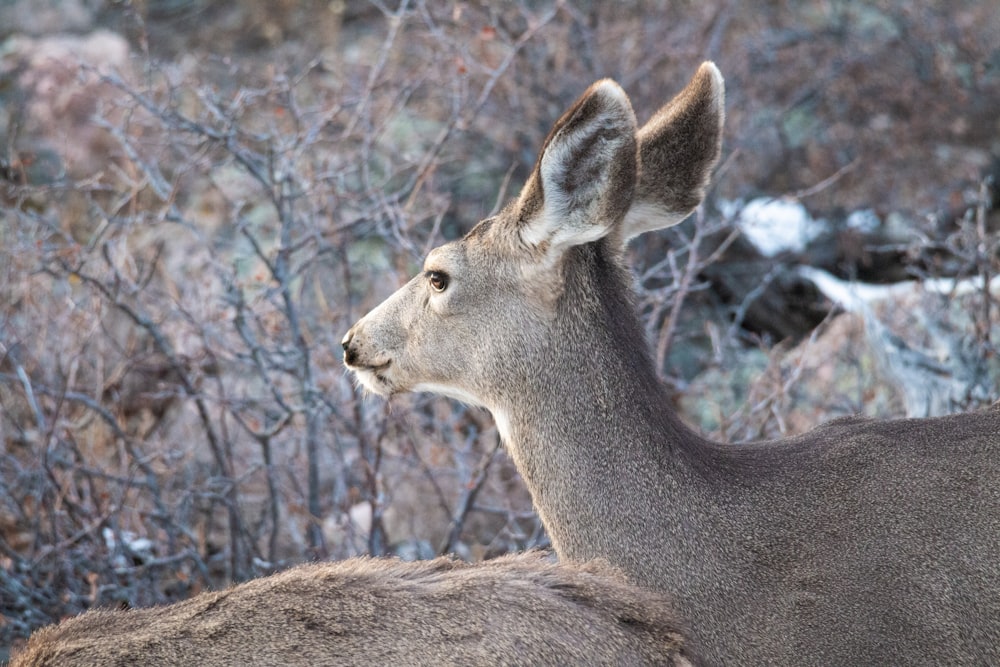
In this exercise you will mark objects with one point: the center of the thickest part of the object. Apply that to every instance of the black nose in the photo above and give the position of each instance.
(350, 356)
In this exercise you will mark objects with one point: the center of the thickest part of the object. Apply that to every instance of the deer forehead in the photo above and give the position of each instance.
(447, 258)
(478, 253)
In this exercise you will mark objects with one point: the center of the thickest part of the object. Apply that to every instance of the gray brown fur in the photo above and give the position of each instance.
(861, 542)
(518, 610)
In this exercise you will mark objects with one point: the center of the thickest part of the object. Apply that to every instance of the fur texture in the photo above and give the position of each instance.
(517, 610)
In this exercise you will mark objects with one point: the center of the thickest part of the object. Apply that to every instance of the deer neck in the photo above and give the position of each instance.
(591, 431)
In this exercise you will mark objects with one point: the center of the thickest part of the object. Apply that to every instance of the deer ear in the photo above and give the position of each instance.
(678, 148)
(582, 184)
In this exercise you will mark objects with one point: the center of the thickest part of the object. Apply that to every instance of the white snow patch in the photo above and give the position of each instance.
(774, 225)
(855, 296)
(865, 221)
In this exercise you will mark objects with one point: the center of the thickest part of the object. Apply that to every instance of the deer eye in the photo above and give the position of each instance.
(438, 280)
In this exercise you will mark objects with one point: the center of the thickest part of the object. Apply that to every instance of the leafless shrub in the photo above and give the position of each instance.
(174, 410)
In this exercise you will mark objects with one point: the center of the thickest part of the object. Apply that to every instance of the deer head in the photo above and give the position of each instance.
(485, 310)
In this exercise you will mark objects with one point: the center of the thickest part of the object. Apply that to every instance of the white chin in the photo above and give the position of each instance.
(373, 383)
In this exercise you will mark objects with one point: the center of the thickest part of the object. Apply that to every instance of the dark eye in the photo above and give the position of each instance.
(438, 280)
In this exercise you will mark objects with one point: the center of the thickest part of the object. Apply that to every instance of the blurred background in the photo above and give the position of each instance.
(197, 199)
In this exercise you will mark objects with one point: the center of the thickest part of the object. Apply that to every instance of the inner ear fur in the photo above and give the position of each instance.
(585, 176)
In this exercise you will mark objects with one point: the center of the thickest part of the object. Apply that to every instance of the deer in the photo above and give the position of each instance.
(513, 610)
(866, 542)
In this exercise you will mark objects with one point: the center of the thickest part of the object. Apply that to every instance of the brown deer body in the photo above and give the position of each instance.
(511, 611)
(861, 542)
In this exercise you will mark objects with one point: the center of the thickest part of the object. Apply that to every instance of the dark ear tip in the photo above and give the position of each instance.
(708, 75)
(604, 98)
(609, 90)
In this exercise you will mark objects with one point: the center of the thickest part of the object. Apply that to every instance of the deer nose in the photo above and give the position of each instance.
(350, 354)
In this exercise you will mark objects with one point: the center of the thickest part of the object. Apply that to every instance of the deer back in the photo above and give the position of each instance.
(512, 610)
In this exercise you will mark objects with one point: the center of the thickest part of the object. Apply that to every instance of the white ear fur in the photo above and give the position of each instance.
(583, 182)
(647, 215)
